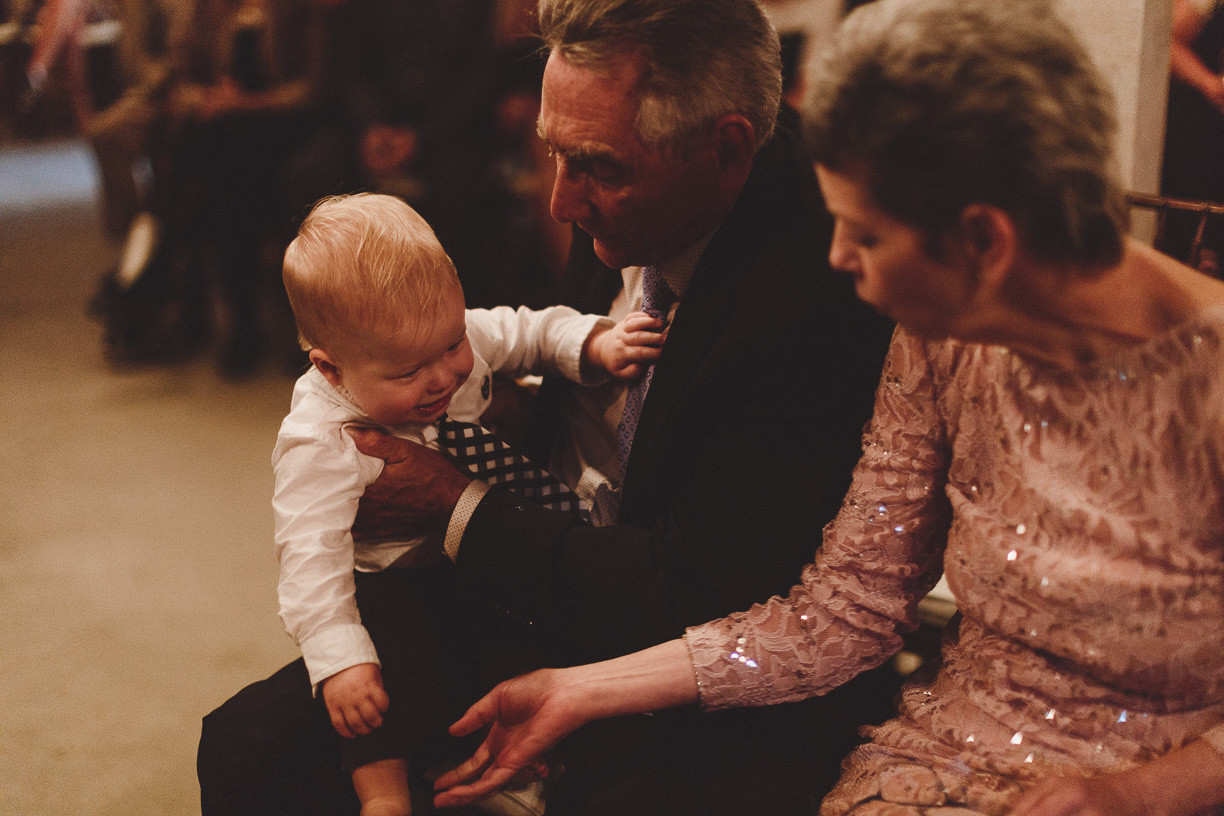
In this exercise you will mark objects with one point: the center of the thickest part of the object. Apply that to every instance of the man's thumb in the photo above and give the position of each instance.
(371, 442)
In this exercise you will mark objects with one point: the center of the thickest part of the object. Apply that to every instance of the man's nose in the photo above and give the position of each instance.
(569, 202)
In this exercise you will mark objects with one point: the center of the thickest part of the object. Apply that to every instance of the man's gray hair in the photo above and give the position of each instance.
(703, 59)
(947, 103)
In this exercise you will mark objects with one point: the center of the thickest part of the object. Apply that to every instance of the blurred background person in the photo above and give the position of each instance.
(124, 116)
(410, 92)
(804, 28)
(1193, 165)
(113, 57)
(248, 80)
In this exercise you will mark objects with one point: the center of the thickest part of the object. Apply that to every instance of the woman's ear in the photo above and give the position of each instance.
(734, 144)
(323, 361)
(990, 242)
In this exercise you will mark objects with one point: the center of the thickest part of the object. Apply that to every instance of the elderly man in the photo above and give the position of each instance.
(686, 200)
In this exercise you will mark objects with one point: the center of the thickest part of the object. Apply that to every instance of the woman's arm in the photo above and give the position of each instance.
(878, 558)
(532, 713)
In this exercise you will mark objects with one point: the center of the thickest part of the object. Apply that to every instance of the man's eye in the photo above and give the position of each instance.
(605, 171)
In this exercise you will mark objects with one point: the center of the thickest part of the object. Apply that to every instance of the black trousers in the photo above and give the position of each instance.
(271, 748)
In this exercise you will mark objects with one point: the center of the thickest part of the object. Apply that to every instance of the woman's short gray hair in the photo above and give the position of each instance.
(947, 103)
(703, 59)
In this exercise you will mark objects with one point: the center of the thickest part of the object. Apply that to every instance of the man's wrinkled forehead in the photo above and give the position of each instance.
(612, 83)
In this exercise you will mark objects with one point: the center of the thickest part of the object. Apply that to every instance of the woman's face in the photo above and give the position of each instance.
(892, 268)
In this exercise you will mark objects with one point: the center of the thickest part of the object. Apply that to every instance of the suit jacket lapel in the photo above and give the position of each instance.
(702, 313)
(705, 312)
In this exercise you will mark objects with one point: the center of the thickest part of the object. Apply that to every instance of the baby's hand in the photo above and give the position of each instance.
(355, 699)
(627, 349)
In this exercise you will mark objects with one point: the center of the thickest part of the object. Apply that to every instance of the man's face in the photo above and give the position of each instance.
(641, 206)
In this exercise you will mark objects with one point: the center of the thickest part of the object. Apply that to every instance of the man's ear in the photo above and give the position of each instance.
(735, 145)
(323, 361)
(990, 240)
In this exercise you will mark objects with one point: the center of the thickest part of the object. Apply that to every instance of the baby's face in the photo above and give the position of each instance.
(413, 375)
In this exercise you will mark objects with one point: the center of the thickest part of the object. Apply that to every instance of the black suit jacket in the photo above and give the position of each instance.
(744, 450)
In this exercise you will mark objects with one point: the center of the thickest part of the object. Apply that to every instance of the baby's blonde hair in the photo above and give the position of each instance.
(362, 267)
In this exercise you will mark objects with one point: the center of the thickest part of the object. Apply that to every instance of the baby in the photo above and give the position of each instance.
(380, 310)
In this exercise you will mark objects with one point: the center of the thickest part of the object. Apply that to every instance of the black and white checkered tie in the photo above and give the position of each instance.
(489, 458)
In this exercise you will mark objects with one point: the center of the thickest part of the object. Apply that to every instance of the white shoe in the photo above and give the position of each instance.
(513, 800)
(524, 800)
(137, 249)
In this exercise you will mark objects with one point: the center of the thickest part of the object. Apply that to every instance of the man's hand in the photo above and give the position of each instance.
(1080, 797)
(415, 494)
(628, 348)
(1183, 782)
(355, 699)
(530, 714)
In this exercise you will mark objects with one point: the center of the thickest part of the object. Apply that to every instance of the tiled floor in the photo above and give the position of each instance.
(137, 581)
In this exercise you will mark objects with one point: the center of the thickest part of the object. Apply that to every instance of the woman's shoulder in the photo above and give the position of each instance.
(1190, 345)
(940, 359)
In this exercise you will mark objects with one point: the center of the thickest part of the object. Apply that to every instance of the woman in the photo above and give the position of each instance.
(1049, 432)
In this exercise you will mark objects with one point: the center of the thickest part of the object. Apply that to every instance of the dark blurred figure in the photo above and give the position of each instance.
(411, 90)
(13, 55)
(804, 28)
(246, 98)
(1194, 135)
(537, 244)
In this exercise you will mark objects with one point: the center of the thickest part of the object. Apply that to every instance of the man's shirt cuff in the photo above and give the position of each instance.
(464, 508)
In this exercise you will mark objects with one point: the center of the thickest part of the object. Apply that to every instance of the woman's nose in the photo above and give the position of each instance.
(841, 256)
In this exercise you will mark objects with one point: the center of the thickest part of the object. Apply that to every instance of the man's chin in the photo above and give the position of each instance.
(612, 257)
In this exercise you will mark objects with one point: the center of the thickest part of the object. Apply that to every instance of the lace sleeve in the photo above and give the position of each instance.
(880, 556)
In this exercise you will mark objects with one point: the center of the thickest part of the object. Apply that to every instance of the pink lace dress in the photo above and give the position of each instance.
(1079, 517)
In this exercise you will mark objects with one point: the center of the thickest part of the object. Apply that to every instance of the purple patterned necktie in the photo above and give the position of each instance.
(657, 299)
(483, 453)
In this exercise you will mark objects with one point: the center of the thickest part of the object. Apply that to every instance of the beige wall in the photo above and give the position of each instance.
(1129, 39)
